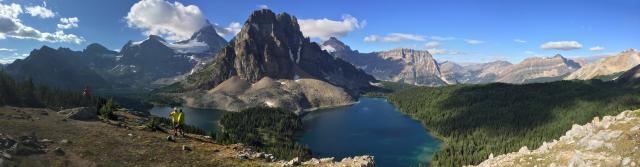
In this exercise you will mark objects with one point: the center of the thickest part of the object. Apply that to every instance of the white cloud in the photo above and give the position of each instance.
(440, 38)
(473, 41)
(7, 49)
(432, 44)
(9, 59)
(10, 11)
(67, 23)
(444, 52)
(394, 37)
(597, 48)
(263, 6)
(529, 52)
(231, 30)
(159, 17)
(325, 28)
(39, 11)
(519, 41)
(561, 45)
(11, 26)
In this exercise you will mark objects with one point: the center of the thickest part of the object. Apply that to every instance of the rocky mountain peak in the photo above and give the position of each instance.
(273, 45)
(97, 49)
(156, 38)
(208, 35)
(335, 45)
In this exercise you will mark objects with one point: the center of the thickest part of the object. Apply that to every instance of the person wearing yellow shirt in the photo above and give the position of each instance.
(181, 118)
(174, 120)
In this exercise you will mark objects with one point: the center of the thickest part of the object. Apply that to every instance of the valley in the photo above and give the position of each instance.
(279, 84)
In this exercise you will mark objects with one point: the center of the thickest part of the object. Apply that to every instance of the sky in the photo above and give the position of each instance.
(461, 30)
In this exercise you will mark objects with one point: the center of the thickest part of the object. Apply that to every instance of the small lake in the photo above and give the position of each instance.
(372, 126)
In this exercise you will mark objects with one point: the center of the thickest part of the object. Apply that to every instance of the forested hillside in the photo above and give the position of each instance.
(27, 94)
(477, 120)
(271, 130)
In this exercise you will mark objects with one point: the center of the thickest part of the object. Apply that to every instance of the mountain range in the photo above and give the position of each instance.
(613, 65)
(270, 62)
(420, 68)
(152, 60)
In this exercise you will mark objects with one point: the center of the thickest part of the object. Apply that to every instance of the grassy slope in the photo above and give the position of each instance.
(95, 143)
(477, 120)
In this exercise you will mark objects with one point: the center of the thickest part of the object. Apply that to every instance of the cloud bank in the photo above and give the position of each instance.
(12, 26)
(325, 28)
(159, 17)
(561, 45)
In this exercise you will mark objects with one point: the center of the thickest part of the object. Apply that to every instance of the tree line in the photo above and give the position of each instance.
(271, 130)
(27, 94)
(475, 121)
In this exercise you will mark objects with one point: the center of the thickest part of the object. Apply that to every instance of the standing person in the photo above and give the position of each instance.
(174, 120)
(181, 118)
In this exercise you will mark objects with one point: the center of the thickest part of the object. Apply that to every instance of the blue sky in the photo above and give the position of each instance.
(463, 31)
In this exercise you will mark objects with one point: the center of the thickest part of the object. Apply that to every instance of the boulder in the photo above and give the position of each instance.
(80, 113)
(186, 148)
(65, 141)
(58, 151)
(294, 162)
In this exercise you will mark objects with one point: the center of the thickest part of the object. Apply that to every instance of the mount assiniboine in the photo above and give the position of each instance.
(271, 63)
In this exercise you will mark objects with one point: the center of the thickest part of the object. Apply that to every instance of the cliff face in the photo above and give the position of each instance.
(418, 67)
(608, 66)
(271, 63)
(272, 45)
(398, 65)
(610, 141)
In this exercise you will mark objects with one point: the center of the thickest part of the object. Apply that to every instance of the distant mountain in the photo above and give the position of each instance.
(608, 66)
(138, 64)
(270, 62)
(400, 65)
(534, 68)
(204, 42)
(157, 61)
(62, 68)
(473, 73)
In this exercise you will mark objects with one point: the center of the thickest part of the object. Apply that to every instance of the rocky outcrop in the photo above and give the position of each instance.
(80, 113)
(532, 69)
(610, 141)
(356, 161)
(608, 66)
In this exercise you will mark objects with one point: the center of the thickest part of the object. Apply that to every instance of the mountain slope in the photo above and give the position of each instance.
(612, 141)
(607, 66)
(272, 46)
(538, 67)
(61, 68)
